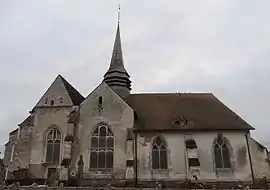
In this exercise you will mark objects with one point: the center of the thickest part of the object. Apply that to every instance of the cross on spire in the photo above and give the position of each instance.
(118, 14)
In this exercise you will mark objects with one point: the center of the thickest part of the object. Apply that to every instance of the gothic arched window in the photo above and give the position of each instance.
(53, 141)
(101, 152)
(159, 154)
(222, 153)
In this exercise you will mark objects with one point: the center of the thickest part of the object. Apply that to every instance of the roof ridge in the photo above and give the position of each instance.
(75, 96)
(232, 111)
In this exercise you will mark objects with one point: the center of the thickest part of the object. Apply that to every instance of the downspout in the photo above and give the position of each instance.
(136, 162)
(186, 161)
(250, 162)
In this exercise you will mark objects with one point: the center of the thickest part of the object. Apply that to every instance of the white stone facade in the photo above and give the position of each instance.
(178, 168)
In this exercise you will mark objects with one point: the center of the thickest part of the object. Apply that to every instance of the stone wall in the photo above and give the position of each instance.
(260, 162)
(157, 186)
(177, 156)
(114, 113)
(46, 119)
(91, 188)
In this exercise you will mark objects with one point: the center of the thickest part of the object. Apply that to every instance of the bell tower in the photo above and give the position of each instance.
(117, 77)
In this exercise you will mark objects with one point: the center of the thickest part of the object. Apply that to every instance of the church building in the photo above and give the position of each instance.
(117, 136)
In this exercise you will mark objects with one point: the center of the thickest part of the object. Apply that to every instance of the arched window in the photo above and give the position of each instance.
(101, 153)
(222, 153)
(159, 154)
(53, 146)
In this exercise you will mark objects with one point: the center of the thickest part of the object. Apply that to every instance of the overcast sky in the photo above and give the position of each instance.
(169, 46)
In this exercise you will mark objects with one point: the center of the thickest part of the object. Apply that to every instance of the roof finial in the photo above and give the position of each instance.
(118, 14)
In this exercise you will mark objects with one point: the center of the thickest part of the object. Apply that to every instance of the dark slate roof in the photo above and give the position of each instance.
(117, 75)
(117, 63)
(75, 96)
(198, 111)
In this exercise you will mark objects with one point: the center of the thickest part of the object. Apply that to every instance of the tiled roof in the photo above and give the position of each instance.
(183, 111)
(74, 95)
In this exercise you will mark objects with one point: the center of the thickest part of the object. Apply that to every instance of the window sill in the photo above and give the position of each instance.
(50, 163)
(160, 171)
(224, 172)
(224, 169)
(100, 173)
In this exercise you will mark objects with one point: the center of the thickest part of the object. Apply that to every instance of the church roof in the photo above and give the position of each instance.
(74, 95)
(60, 89)
(183, 111)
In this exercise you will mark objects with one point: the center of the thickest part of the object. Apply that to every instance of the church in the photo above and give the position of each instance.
(117, 136)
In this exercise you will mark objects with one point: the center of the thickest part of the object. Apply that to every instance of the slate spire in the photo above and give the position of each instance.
(117, 77)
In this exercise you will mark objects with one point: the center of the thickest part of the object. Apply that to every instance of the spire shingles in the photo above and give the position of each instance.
(117, 77)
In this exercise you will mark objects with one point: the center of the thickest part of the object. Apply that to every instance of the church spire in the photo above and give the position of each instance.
(117, 77)
(118, 14)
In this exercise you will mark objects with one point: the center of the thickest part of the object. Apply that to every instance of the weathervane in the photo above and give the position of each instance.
(118, 13)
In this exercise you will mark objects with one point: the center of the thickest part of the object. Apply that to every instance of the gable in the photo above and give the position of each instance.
(187, 111)
(112, 106)
(60, 93)
(74, 95)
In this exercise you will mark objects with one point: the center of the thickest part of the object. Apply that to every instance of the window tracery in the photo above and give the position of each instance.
(102, 146)
(222, 153)
(53, 142)
(159, 154)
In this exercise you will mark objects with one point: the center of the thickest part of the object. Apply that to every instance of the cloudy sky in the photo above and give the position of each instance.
(169, 46)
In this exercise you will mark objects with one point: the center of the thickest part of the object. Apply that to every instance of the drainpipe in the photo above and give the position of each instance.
(186, 162)
(136, 162)
(250, 162)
